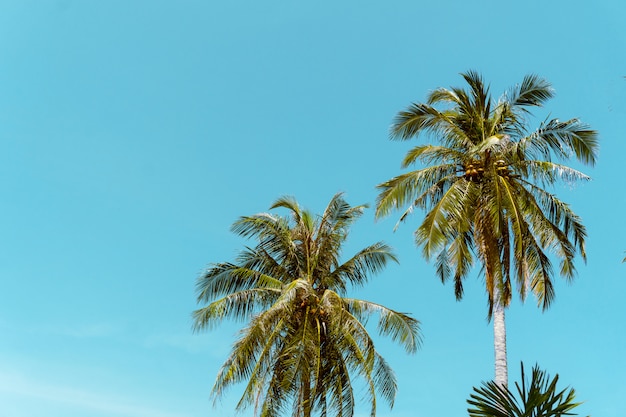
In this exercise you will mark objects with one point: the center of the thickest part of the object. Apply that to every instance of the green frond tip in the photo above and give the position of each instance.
(303, 341)
(534, 396)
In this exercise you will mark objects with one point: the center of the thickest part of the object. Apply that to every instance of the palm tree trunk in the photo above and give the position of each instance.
(499, 340)
(306, 400)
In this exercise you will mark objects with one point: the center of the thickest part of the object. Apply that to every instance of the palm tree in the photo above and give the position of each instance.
(538, 397)
(304, 340)
(483, 187)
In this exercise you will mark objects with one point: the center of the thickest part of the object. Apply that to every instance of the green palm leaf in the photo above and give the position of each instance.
(537, 397)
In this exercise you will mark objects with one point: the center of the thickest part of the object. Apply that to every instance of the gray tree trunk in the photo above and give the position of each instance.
(499, 340)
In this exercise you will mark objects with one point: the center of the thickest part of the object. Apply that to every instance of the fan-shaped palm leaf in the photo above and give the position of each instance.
(537, 397)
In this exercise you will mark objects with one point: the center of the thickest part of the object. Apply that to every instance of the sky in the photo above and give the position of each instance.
(134, 133)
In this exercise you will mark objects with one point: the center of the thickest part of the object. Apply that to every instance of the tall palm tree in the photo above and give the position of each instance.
(304, 341)
(537, 397)
(483, 185)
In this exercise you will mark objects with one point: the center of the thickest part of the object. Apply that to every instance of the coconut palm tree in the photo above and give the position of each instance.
(483, 185)
(304, 341)
(537, 397)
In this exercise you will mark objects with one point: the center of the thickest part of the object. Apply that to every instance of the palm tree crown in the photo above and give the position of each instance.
(483, 187)
(304, 339)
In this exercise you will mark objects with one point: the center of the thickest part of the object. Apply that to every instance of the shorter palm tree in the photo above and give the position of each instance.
(305, 340)
(538, 397)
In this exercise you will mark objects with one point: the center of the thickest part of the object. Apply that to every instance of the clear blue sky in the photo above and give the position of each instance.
(133, 133)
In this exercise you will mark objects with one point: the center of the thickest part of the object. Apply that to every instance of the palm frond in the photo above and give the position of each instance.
(227, 278)
(405, 188)
(291, 204)
(357, 269)
(442, 95)
(439, 223)
(537, 396)
(422, 118)
(238, 306)
(567, 139)
(481, 100)
(558, 218)
(533, 91)
(429, 154)
(400, 327)
(548, 173)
